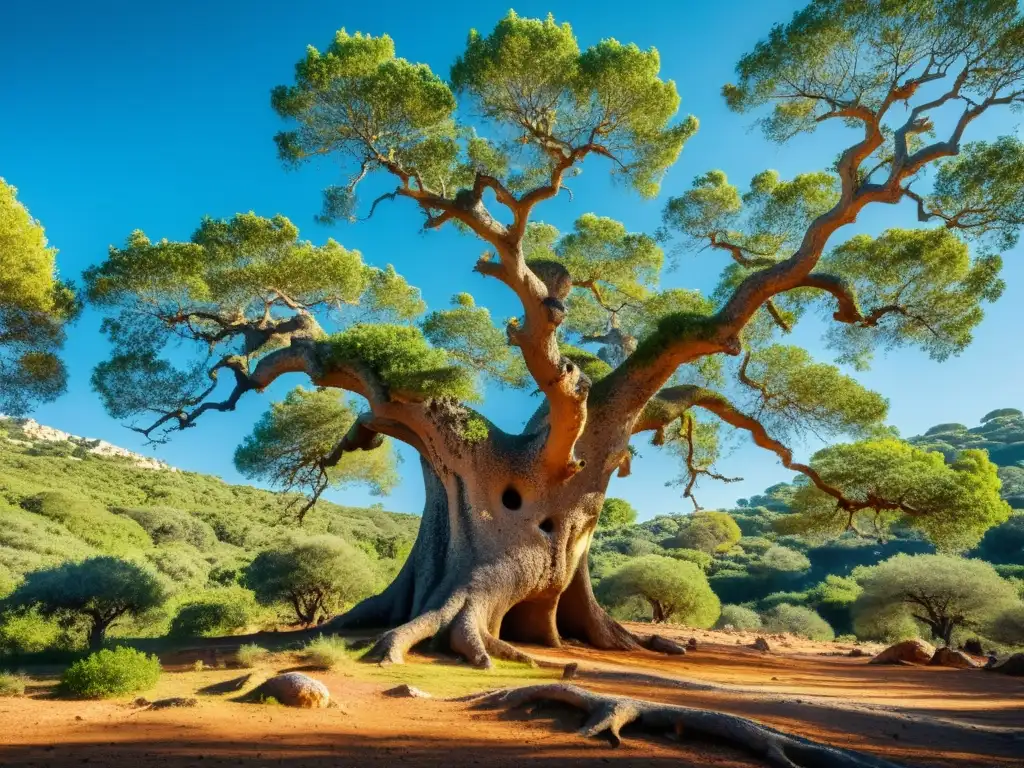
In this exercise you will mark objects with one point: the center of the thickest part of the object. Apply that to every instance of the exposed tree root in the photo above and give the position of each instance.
(612, 713)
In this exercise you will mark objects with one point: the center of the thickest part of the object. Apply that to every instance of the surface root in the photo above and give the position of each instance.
(610, 714)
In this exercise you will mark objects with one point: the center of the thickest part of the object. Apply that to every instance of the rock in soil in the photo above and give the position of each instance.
(294, 689)
(762, 645)
(664, 645)
(407, 691)
(947, 657)
(570, 670)
(906, 652)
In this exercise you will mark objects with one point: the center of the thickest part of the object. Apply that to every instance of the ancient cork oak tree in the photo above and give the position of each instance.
(502, 550)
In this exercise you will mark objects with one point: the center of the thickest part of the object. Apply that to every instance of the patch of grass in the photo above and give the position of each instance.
(12, 685)
(111, 673)
(445, 677)
(326, 652)
(251, 655)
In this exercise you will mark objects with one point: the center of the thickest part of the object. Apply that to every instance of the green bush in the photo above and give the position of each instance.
(798, 620)
(27, 632)
(1008, 626)
(738, 617)
(250, 655)
(615, 513)
(325, 652)
(12, 685)
(111, 673)
(701, 559)
(216, 612)
(165, 525)
(675, 590)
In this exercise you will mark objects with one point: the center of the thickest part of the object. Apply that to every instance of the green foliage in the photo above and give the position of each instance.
(802, 69)
(470, 337)
(980, 190)
(251, 655)
(610, 86)
(94, 525)
(290, 443)
(315, 576)
(166, 525)
(701, 559)
(326, 652)
(738, 617)
(101, 589)
(953, 505)
(24, 632)
(942, 592)
(12, 685)
(784, 559)
(215, 612)
(930, 278)
(794, 393)
(798, 620)
(675, 589)
(110, 673)
(1008, 626)
(616, 512)
(403, 359)
(34, 305)
(707, 532)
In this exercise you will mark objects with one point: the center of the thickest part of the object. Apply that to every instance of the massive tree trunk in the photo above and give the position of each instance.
(499, 558)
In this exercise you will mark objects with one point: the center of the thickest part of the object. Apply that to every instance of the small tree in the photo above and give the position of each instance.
(738, 617)
(34, 306)
(314, 576)
(616, 512)
(944, 593)
(675, 589)
(100, 590)
(293, 446)
(708, 532)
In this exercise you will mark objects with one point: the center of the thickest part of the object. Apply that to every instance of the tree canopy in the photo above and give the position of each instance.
(942, 592)
(99, 590)
(34, 306)
(314, 576)
(676, 590)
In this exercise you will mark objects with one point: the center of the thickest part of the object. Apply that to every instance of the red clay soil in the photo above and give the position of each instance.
(911, 715)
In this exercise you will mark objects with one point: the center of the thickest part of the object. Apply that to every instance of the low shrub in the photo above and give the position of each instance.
(111, 673)
(250, 655)
(12, 685)
(738, 617)
(217, 612)
(325, 652)
(798, 620)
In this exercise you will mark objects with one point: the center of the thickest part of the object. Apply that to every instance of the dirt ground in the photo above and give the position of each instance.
(910, 715)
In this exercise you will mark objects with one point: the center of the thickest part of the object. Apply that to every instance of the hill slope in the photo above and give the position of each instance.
(67, 497)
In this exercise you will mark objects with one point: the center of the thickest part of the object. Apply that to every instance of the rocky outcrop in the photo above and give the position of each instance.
(34, 432)
(1012, 665)
(947, 657)
(906, 652)
(294, 689)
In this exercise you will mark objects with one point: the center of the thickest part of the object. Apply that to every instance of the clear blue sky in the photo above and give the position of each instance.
(131, 115)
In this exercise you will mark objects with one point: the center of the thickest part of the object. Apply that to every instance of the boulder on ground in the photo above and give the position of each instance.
(691, 644)
(856, 653)
(947, 657)
(762, 645)
(294, 689)
(906, 652)
(569, 671)
(1012, 665)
